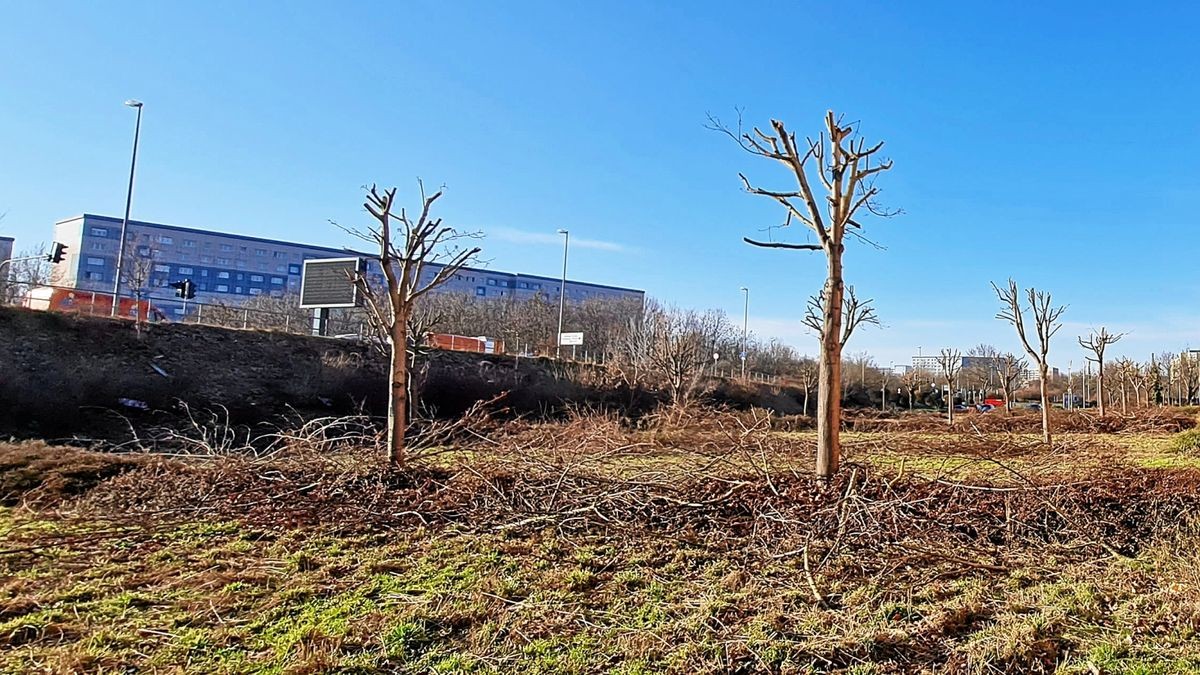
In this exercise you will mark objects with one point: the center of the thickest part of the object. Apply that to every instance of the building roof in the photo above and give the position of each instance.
(337, 251)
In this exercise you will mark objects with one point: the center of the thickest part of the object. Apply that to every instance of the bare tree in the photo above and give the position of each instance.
(1096, 343)
(135, 277)
(809, 374)
(29, 269)
(1126, 374)
(675, 346)
(981, 372)
(912, 380)
(1009, 368)
(407, 247)
(846, 167)
(1046, 322)
(950, 362)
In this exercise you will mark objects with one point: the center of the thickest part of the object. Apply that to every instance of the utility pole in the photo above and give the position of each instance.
(745, 329)
(562, 295)
(137, 131)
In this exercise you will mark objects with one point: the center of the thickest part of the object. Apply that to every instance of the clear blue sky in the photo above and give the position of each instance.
(1054, 142)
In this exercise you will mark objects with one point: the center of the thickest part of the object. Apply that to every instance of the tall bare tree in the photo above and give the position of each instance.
(950, 362)
(808, 373)
(1009, 369)
(1046, 323)
(846, 167)
(1096, 343)
(407, 246)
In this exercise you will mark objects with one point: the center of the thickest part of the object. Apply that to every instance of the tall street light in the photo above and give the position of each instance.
(745, 328)
(562, 294)
(137, 130)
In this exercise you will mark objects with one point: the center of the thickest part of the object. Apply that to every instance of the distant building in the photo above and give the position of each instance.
(6, 250)
(927, 363)
(231, 268)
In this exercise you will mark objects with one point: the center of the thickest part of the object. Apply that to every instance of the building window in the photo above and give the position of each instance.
(491, 282)
(226, 248)
(162, 268)
(98, 246)
(480, 290)
(522, 284)
(185, 270)
(279, 254)
(206, 258)
(241, 276)
(281, 268)
(293, 269)
(222, 275)
(100, 232)
(203, 273)
(96, 261)
(164, 239)
(237, 289)
(223, 261)
(255, 291)
(93, 276)
(221, 288)
(254, 277)
(189, 243)
(277, 281)
(260, 251)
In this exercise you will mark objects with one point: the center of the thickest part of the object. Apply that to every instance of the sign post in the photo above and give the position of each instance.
(572, 339)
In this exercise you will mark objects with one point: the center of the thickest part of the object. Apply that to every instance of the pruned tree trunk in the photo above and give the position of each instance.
(398, 394)
(1043, 380)
(829, 391)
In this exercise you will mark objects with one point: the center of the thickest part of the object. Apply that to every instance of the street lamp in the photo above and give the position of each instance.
(137, 130)
(562, 294)
(745, 328)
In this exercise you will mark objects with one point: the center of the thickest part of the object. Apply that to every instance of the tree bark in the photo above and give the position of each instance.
(829, 391)
(398, 392)
(1099, 385)
(1044, 374)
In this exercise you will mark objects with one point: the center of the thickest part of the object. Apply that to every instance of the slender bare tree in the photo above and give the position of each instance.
(1046, 322)
(950, 361)
(808, 373)
(1009, 368)
(1096, 343)
(912, 380)
(408, 246)
(135, 277)
(846, 166)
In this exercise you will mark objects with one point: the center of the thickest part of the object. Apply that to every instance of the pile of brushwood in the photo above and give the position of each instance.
(1148, 420)
(721, 481)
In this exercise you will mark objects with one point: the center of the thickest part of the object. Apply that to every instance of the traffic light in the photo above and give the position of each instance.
(184, 289)
(57, 253)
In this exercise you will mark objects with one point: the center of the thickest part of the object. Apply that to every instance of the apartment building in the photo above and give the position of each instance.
(232, 268)
(6, 249)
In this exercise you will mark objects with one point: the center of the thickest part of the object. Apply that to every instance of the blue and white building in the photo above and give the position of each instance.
(232, 268)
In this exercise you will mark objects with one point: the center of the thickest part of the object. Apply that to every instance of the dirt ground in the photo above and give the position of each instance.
(690, 545)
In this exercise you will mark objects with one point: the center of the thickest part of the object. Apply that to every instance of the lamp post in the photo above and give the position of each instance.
(562, 294)
(137, 130)
(745, 328)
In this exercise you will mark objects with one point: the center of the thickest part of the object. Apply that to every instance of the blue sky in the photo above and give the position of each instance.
(1054, 143)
